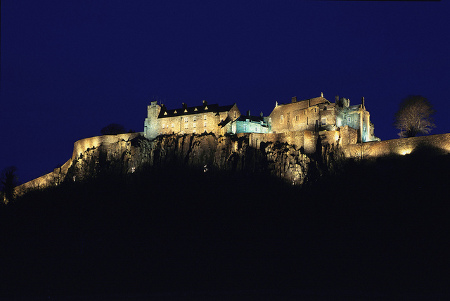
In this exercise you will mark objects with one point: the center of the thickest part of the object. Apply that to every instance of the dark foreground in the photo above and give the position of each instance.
(374, 230)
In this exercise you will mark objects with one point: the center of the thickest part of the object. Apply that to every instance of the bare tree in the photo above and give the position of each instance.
(8, 181)
(414, 116)
(113, 129)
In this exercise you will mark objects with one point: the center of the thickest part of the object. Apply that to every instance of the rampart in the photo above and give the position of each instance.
(79, 147)
(304, 139)
(402, 146)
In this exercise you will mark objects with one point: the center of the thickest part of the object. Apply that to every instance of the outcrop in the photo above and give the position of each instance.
(206, 152)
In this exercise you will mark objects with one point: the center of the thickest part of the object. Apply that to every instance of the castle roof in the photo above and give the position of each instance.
(310, 101)
(250, 118)
(204, 108)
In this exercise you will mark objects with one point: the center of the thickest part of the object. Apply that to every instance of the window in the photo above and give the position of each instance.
(173, 125)
(186, 125)
(194, 118)
(324, 121)
(245, 127)
(194, 125)
(349, 119)
(204, 124)
(281, 118)
(204, 117)
(186, 119)
(193, 131)
(296, 118)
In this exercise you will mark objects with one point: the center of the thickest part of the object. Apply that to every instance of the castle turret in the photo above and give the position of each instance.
(151, 128)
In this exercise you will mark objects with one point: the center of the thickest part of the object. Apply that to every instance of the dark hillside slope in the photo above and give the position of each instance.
(374, 227)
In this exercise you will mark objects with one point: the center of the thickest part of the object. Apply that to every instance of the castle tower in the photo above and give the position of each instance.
(151, 126)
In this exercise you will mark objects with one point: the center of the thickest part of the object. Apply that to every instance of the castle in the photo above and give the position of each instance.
(302, 125)
(336, 123)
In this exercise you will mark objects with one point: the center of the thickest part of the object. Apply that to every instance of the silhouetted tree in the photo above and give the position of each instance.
(414, 116)
(113, 129)
(8, 181)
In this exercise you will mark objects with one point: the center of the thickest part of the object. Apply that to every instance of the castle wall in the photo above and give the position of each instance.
(207, 150)
(402, 146)
(79, 148)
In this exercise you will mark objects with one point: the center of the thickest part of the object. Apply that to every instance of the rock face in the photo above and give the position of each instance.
(126, 153)
(230, 153)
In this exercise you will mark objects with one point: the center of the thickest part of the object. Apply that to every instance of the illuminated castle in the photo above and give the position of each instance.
(337, 123)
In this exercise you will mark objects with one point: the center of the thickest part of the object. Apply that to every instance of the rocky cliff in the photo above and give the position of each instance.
(204, 152)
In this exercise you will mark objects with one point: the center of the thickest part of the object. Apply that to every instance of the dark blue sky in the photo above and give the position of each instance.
(68, 68)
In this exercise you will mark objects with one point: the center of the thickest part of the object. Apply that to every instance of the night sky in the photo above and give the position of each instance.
(69, 68)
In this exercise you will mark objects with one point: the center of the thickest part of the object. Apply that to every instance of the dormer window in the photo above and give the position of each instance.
(165, 113)
(206, 108)
(175, 112)
(185, 110)
(195, 109)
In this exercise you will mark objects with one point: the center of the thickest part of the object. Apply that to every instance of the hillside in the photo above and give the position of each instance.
(369, 228)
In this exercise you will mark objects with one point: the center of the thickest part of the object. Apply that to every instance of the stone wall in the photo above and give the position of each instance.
(284, 155)
(79, 148)
(402, 146)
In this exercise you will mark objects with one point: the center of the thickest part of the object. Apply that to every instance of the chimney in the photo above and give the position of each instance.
(336, 99)
(362, 103)
(248, 113)
(205, 102)
(321, 94)
(261, 114)
(294, 99)
(184, 105)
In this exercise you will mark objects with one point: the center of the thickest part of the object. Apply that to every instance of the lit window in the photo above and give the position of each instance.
(193, 131)
(194, 125)
(204, 117)
(194, 118)
(234, 114)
